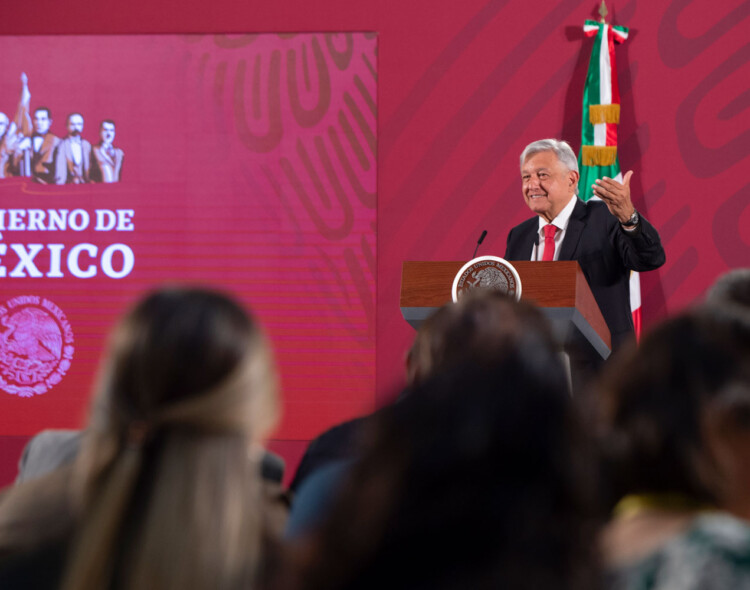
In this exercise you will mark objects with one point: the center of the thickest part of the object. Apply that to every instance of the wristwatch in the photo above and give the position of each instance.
(633, 221)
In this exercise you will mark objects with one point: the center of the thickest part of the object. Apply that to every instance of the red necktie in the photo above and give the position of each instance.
(549, 242)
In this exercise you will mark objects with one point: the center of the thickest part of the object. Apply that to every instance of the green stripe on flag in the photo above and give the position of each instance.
(622, 30)
(591, 91)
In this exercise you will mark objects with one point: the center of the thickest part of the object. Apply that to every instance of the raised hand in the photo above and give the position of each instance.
(25, 94)
(616, 195)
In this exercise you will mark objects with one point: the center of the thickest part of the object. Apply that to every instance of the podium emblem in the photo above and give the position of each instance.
(487, 272)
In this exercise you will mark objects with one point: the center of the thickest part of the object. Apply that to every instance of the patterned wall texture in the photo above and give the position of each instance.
(303, 108)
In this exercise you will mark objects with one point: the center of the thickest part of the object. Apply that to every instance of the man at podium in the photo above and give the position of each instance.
(607, 237)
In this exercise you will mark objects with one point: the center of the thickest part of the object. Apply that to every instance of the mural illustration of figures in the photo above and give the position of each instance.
(106, 164)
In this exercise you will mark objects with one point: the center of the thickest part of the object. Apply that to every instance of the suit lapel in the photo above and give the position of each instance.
(526, 242)
(576, 223)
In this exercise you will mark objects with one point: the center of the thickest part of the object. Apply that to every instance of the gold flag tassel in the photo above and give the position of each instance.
(597, 155)
(604, 113)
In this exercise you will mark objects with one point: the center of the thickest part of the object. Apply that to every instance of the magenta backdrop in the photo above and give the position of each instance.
(249, 166)
(463, 86)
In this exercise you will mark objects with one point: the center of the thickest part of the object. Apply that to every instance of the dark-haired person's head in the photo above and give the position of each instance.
(731, 288)
(478, 478)
(42, 120)
(107, 131)
(663, 401)
(482, 327)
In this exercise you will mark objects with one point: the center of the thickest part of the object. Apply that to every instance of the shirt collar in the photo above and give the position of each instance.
(562, 219)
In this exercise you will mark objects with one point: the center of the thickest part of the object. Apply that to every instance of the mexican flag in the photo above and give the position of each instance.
(601, 115)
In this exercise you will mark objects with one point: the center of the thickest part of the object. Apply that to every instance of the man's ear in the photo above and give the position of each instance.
(573, 177)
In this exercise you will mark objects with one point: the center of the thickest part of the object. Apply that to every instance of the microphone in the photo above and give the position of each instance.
(479, 241)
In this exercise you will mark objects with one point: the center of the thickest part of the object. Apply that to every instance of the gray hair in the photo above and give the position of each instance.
(562, 150)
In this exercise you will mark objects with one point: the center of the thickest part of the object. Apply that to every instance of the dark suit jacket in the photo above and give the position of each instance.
(338, 444)
(606, 253)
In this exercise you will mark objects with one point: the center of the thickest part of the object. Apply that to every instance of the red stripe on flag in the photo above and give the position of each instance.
(612, 127)
(613, 68)
(637, 323)
(611, 134)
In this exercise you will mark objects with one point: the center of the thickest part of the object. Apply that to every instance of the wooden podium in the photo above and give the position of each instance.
(559, 288)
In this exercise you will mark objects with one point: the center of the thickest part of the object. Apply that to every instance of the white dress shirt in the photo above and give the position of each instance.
(561, 222)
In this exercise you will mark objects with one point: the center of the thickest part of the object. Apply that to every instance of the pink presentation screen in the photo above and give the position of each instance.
(245, 163)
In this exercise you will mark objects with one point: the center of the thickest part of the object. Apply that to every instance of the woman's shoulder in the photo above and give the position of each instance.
(719, 533)
(713, 553)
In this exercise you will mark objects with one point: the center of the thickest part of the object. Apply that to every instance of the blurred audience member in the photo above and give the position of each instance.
(478, 477)
(52, 449)
(451, 335)
(165, 492)
(47, 451)
(732, 289)
(676, 415)
(454, 333)
(339, 445)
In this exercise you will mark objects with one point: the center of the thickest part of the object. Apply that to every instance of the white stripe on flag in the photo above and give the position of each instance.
(605, 69)
(605, 86)
(620, 36)
(600, 134)
(635, 290)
